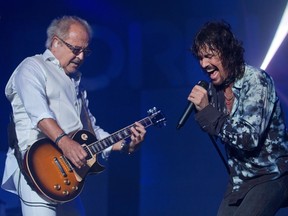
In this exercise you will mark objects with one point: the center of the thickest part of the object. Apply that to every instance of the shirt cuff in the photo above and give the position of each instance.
(35, 121)
(106, 152)
(210, 120)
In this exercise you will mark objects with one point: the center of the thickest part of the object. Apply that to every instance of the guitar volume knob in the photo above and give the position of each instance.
(75, 188)
(67, 182)
(65, 192)
(57, 187)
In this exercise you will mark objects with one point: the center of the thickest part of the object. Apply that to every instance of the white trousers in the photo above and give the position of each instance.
(33, 205)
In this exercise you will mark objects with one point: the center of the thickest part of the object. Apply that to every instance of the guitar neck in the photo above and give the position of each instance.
(124, 133)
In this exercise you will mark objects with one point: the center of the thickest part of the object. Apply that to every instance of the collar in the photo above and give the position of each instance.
(48, 56)
(239, 82)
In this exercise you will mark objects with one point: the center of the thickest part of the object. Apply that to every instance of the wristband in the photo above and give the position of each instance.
(59, 138)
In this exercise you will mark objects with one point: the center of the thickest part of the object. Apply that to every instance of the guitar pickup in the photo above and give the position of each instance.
(67, 163)
(60, 167)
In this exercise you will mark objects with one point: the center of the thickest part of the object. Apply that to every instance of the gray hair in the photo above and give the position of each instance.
(60, 27)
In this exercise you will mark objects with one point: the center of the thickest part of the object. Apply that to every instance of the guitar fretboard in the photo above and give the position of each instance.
(124, 133)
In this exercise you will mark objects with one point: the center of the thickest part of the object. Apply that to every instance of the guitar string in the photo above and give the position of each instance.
(120, 131)
(50, 205)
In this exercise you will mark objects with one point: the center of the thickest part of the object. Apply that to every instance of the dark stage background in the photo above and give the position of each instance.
(140, 60)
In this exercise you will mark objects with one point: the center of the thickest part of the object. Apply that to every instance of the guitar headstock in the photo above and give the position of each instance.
(157, 117)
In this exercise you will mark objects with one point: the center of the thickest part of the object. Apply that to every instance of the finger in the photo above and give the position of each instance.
(135, 135)
(140, 128)
(77, 162)
(77, 159)
(134, 131)
(139, 125)
(82, 154)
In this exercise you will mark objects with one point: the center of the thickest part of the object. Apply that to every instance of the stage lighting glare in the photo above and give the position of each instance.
(280, 35)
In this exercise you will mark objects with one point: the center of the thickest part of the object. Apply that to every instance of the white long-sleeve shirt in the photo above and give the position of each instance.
(38, 89)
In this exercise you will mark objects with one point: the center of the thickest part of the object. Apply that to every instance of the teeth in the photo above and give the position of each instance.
(211, 71)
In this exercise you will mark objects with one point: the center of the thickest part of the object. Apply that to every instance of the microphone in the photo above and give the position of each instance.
(190, 107)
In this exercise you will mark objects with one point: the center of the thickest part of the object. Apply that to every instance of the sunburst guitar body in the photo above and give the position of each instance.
(55, 178)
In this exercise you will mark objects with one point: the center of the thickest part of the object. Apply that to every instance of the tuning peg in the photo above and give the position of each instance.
(152, 110)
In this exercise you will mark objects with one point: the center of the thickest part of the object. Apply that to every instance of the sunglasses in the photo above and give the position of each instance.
(76, 50)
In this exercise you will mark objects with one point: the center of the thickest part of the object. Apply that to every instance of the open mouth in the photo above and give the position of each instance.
(211, 70)
(212, 73)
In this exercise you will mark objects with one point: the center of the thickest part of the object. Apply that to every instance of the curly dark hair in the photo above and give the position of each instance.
(218, 37)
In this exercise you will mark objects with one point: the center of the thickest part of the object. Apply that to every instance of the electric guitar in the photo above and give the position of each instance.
(55, 178)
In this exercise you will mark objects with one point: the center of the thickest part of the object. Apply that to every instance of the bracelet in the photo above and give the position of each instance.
(59, 138)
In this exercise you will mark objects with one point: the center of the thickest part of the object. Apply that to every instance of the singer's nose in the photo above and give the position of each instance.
(204, 62)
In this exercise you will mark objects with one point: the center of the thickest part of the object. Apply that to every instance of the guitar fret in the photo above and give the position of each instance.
(111, 139)
(143, 122)
(105, 143)
(121, 133)
(126, 133)
(97, 147)
(93, 149)
(119, 136)
(102, 145)
(146, 122)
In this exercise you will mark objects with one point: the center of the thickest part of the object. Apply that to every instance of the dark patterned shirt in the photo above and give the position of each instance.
(254, 133)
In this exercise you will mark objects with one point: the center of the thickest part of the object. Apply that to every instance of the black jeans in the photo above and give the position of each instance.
(263, 200)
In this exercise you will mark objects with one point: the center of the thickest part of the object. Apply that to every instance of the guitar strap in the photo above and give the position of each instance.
(84, 116)
(13, 143)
